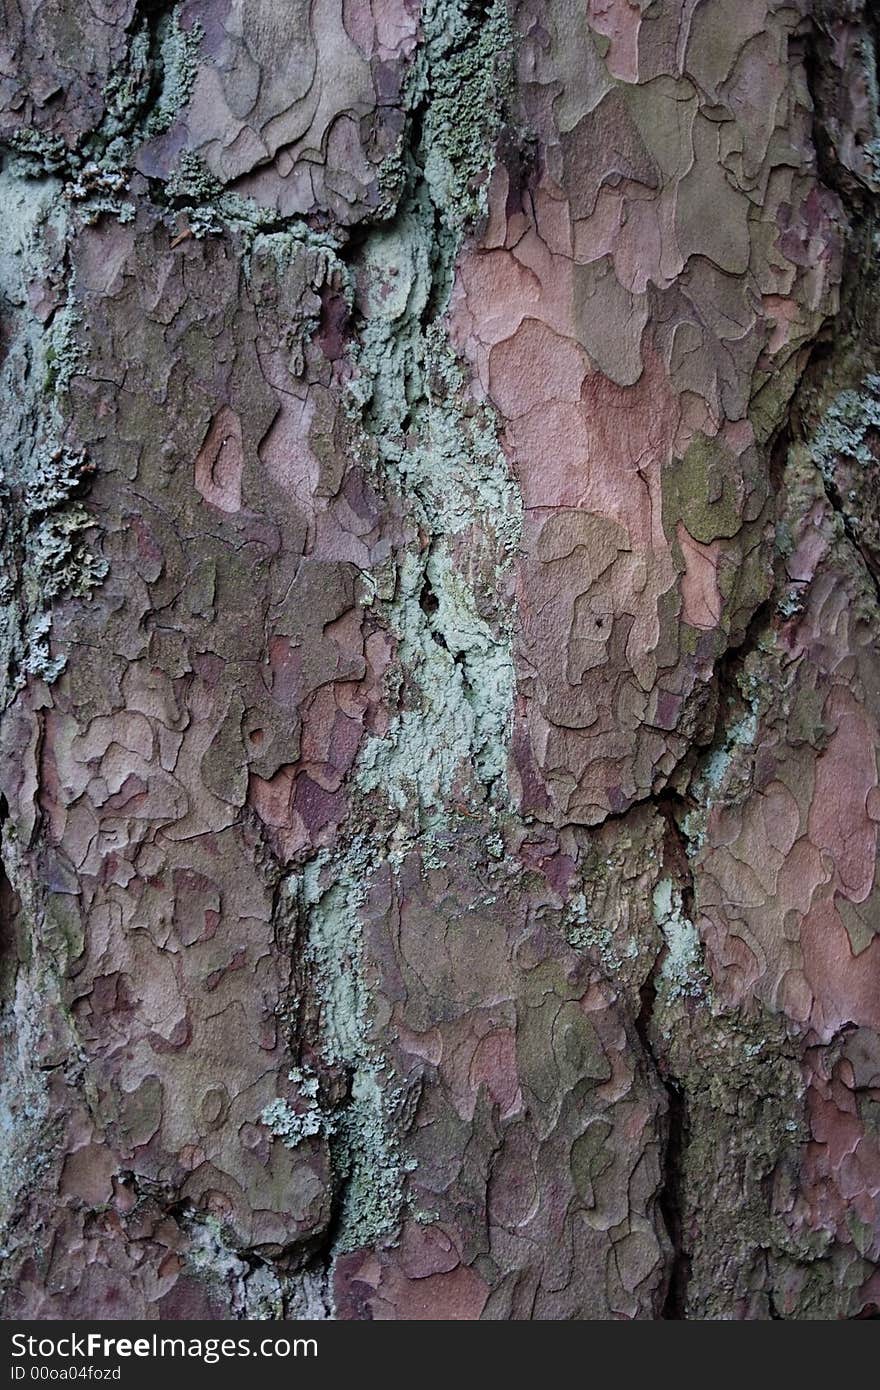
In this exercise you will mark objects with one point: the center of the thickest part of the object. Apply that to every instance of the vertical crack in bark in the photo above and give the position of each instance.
(842, 346)
(7, 912)
(672, 1199)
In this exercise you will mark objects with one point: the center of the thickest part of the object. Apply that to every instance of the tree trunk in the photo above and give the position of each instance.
(441, 550)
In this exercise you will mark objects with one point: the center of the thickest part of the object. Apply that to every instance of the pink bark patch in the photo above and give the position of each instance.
(220, 461)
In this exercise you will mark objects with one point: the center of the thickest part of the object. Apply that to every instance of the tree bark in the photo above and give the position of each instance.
(441, 552)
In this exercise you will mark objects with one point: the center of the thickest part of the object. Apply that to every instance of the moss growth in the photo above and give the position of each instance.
(703, 490)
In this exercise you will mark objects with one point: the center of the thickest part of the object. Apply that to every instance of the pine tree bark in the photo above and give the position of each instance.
(440, 606)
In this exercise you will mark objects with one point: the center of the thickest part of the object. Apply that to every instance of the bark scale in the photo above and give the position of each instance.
(440, 562)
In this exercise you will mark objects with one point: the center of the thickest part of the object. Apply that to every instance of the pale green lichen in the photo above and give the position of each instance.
(293, 1126)
(455, 466)
(369, 1151)
(586, 930)
(63, 355)
(682, 973)
(208, 1251)
(462, 716)
(427, 440)
(211, 210)
(865, 52)
(56, 559)
(26, 1118)
(142, 96)
(846, 448)
(249, 1288)
(365, 1148)
(30, 1125)
(37, 154)
(297, 263)
(396, 270)
(706, 787)
(437, 447)
(148, 88)
(127, 88)
(333, 952)
(460, 84)
(464, 77)
(192, 182)
(716, 777)
(178, 58)
(44, 525)
(846, 427)
(287, 247)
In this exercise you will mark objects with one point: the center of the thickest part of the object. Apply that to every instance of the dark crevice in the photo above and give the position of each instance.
(428, 600)
(858, 318)
(844, 360)
(673, 807)
(665, 792)
(850, 529)
(671, 1199)
(672, 1203)
(9, 905)
(870, 1312)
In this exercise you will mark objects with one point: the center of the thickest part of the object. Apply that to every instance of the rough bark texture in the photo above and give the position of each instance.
(441, 552)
